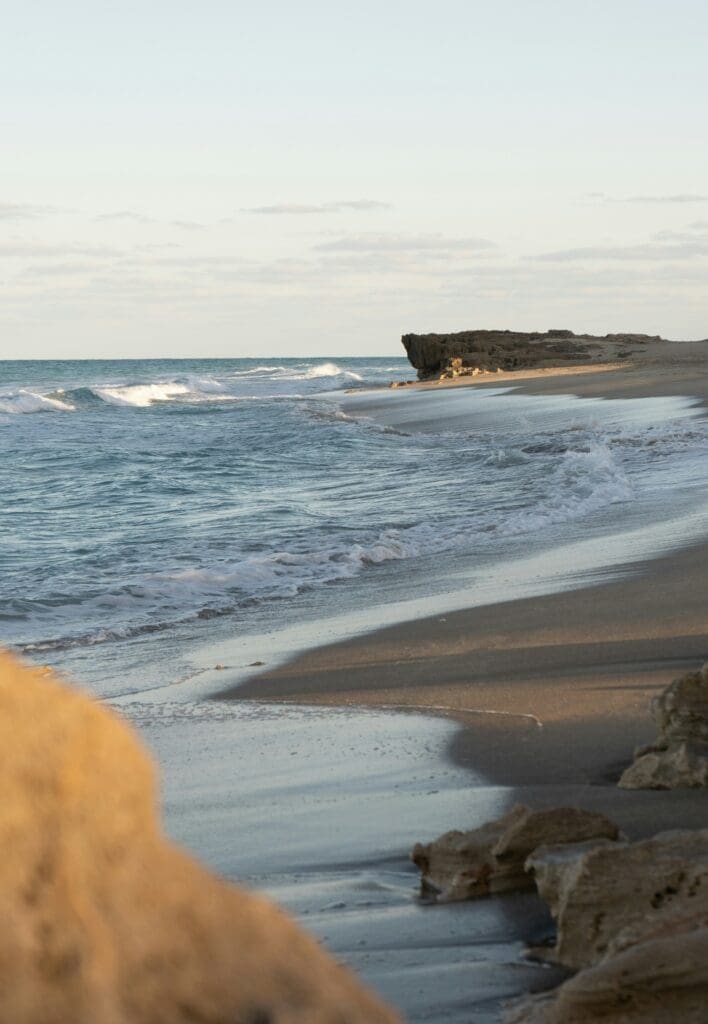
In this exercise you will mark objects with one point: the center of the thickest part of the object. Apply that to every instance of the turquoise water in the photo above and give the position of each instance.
(151, 507)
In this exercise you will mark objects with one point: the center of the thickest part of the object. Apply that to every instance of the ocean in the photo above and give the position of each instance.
(161, 516)
(152, 509)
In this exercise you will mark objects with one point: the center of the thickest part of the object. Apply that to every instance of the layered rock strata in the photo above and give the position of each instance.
(491, 859)
(471, 352)
(679, 756)
(102, 920)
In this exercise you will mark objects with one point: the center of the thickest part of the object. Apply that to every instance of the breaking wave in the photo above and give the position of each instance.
(140, 396)
(583, 483)
(252, 383)
(23, 401)
(163, 521)
(330, 370)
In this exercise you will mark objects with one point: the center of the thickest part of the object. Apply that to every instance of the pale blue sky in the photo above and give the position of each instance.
(234, 179)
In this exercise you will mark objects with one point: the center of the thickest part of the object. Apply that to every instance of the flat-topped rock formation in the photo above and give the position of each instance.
(469, 352)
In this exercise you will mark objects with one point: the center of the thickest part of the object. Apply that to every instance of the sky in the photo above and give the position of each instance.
(317, 178)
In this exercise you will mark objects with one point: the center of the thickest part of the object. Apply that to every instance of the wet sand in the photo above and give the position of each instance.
(553, 691)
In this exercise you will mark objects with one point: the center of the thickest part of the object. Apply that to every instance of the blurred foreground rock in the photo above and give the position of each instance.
(679, 756)
(491, 859)
(102, 920)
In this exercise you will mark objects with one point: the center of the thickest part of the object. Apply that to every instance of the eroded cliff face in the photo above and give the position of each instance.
(462, 353)
(102, 920)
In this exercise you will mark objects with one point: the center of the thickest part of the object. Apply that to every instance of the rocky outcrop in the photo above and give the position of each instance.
(102, 920)
(606, 897)
(470, 352)
(660, 981)
(679, 756)
(491, 859)
(634, 918)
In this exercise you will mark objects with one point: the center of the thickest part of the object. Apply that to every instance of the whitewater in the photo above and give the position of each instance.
(156, 507)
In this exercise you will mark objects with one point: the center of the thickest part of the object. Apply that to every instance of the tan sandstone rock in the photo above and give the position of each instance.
(681, 711)
(636, 916)
(679, 766)
(679, 756)
(607, 897)
(102, 920)
(490, 859)
(658, 981)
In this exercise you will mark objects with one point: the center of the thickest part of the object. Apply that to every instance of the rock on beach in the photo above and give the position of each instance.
(678, 758)
(491, 859)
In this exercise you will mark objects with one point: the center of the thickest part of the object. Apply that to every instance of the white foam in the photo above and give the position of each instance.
(329, 370)
(583, 482)
(205, 385)
(260, 370)
(29, 401)
(140, 395)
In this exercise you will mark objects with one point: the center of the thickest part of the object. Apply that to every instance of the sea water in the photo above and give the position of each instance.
(156, 515)
(153, 508)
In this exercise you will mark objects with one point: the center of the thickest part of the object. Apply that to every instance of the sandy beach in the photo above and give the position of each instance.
(552, 689)
(550, 693)
(464, 597)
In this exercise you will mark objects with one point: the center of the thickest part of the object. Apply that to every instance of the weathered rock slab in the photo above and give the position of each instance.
(659, 981)
(679, 756)
(490, 859)
(604, 897)
(102, 920)
(679, 766)
(681, 711)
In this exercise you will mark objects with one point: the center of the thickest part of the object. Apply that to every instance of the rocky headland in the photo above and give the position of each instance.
(469, 353)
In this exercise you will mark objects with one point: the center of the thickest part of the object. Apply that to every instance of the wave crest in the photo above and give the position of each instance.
(22, 402)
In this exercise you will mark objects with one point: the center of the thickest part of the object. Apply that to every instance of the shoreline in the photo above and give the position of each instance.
(584, 662)
(550, 693)
(664, 369)
(499, 670)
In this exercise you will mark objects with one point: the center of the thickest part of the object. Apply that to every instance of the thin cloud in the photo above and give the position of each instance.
(370, 243)
(187, 225)
(690, 249)
(676, 199)
(24, 211)
(299, 209)
(31, 250)
(129, 215)
(697, 231)
(157, 246)
(681, 197)
(58, 269)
